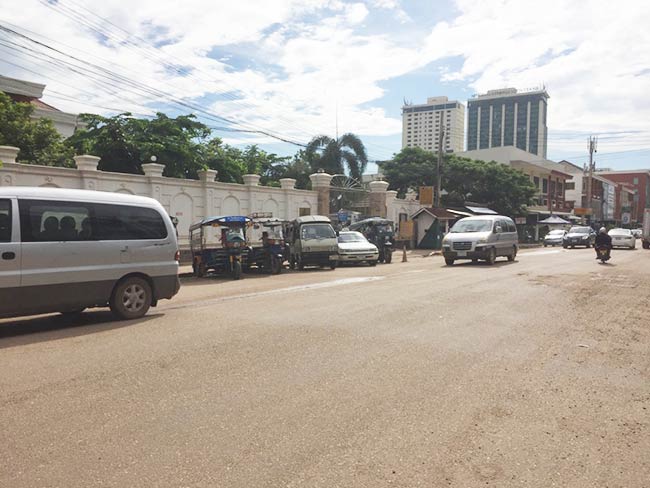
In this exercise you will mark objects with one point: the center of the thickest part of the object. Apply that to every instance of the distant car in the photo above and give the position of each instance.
(579, 236)
(622, 238)
(354, 247)
(554, 238)
(638, 233)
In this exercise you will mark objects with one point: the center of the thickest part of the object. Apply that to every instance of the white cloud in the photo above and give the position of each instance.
(291, 66)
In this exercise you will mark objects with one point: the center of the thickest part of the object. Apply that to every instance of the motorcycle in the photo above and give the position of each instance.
(603, 254)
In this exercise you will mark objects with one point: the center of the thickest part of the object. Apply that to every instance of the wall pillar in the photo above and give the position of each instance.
(87, 166)
(251, 181)
(320, 183)
(377, 198)
(391, 214)
(8, 154)
(207, 176)
(287, 185)
(154, 172)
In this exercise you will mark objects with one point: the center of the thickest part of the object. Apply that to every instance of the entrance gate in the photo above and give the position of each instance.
(347, 198)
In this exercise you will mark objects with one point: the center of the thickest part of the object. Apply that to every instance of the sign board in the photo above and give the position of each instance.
(625, 218)
(582, 211)
(342, 216)
(520, 220)
(426, 196)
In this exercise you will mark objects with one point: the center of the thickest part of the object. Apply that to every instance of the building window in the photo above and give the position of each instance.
(636, 181)
(522, 115)
(536, 181)
(545, 186)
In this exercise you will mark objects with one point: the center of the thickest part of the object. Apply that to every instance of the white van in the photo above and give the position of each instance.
(67, 250)
(481, 237)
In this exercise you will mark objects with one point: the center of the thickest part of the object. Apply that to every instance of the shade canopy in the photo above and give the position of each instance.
(554, 219)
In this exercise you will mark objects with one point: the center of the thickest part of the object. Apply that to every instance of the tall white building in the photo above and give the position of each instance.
(421, 124)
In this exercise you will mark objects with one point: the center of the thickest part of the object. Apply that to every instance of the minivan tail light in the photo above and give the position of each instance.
(177, 257)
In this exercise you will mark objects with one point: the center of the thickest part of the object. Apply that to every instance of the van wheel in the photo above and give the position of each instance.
(299, 263)
(491, 257)
(333, 264)
(513, 255)
(276, 265)
(131, 298)
(449, 261)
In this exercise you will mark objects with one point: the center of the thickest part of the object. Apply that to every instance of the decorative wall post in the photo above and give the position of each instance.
(8, 154)
(377, 198)
(87, 166)
(207, 176)
(287, 185)
(391, 214)
(154, 173)
(251, 181)
(320, 183)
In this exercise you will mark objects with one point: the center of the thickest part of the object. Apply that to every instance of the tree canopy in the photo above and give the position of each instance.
(334, 155)
(38, 140)
(501, 187)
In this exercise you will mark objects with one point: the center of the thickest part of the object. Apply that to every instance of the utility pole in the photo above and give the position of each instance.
(592, 147)
(441, 138)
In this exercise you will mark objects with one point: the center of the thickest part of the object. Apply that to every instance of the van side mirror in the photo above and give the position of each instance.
(337, 233)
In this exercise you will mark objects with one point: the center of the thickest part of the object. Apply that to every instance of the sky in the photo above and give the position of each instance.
(278, 72)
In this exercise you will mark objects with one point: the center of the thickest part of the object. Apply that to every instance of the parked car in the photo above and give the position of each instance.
(554, 238)
(354, 247)
(68, 250)
(638, 233)
(622, 238)
(481, 237)
(579, 236)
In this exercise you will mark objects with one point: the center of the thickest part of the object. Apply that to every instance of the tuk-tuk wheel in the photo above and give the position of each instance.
(276, 266)
(199, 269)
(388, 257)
(300, 264)
(236, 270)
(333, 265)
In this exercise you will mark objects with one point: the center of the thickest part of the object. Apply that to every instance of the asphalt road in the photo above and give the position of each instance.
(534, 373)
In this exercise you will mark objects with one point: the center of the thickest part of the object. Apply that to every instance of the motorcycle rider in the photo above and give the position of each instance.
(603, 240)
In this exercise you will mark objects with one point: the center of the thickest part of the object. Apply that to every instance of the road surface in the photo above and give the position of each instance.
(534, 373)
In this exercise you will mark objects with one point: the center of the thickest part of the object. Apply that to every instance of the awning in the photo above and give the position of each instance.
(481, 210)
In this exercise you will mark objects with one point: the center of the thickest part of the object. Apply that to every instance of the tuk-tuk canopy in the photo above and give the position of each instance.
(221, 220)
(371, 222)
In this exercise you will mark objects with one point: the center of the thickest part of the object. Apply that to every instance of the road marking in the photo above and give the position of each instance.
(312, 286)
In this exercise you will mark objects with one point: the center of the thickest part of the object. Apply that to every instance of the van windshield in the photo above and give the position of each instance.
(472, 226)
(317, 231)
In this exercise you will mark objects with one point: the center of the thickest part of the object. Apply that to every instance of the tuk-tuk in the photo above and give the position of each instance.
(266, 240)
(311, 241)
(380, 232)
(219, 244)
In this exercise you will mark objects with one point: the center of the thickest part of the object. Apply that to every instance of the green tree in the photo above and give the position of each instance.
(334, 155)
(499, 186)
(38, 140)
(124, 143)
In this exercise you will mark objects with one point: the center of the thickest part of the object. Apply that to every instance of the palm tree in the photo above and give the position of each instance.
(333, 155)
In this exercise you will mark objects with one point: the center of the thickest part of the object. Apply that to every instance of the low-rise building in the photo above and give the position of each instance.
(639, 182)
(30, 92)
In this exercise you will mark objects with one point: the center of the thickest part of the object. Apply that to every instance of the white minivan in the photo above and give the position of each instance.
(481, 237)
(67, 250)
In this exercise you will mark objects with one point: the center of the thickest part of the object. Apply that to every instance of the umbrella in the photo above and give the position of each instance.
(554, 219)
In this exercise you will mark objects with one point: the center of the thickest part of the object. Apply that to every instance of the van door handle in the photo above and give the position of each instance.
(8, 256)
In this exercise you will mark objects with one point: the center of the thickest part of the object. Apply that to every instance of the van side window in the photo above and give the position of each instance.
(5, 220)
(42, 221)
(511, 226)
(125, 222)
